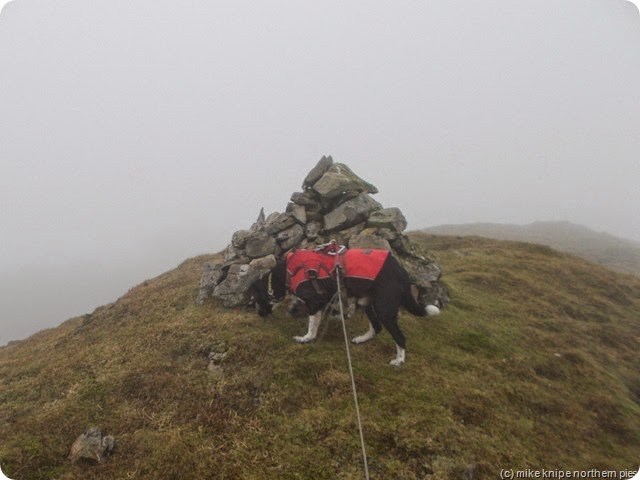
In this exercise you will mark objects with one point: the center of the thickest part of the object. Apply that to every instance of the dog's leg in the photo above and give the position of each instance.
(400, 355)
(312, 332)
(387, 313)
(351, 307)
(374, 325)
(365, 337)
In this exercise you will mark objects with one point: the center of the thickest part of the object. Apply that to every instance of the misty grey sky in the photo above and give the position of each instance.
(135, 134)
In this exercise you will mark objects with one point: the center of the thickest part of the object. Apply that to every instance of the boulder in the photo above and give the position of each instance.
(368, 240)
(402, 245)
(239, 238)
(422, 272)
(425, 275)
(264, 263)
(231, 253)
(233, 289)
(350, 213)
(388, 218)
(260, 244)
(91, 446)
(316, 172)
(339, 179)
(312, 203)
(299, 213)
(212, 275)
(342, 237)
(276, 222)
(389, 235)
(307, 199)
(290, 237)
(312, 229)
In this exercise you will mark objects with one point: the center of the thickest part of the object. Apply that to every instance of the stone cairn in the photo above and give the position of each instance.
(335, 204)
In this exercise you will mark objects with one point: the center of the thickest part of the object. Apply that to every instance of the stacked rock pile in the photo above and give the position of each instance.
(335, 203)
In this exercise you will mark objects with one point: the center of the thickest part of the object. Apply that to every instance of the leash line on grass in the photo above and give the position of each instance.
(353, 381)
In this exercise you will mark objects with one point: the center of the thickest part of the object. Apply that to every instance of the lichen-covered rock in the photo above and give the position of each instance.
(350, 213)
(290, 237)
(314, 206)
(233, 289)
(263, 263)
(212, 275)
(402, 245)
(339, 179)
(316, 172)
(388, 218)
(343, 236)
(369, 240)
(279, 222)
(299, 213)
(239, 238)
(260, 244)
(312, 229)
(425, 275)
(92, 446)
(232, 254)
(308, 199)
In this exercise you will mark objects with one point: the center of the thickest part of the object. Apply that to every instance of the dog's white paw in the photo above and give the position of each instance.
(400, 356)
(362, 338)
(304, 339)
(365, 337)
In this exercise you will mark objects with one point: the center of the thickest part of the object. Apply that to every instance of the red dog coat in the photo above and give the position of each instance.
(307, 265)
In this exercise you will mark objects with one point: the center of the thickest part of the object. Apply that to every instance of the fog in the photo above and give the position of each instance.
(136, 134)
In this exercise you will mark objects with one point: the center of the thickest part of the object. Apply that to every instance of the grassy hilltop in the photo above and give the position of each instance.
(534, 364)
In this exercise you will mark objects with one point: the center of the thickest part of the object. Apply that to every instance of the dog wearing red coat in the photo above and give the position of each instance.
(374, 277)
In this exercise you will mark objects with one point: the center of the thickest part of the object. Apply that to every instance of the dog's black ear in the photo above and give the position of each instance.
(251, 300)
(279, 279)
(264, 308)
(259, 296)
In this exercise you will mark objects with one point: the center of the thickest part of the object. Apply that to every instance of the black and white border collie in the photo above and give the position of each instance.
(381, 298)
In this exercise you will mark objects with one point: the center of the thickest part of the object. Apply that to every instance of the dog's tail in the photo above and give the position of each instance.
(413, 307)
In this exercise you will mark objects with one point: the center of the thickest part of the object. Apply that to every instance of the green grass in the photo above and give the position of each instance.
(533, 365)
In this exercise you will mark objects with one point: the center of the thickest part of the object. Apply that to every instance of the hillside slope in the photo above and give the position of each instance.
(598, 247)
(533, 365)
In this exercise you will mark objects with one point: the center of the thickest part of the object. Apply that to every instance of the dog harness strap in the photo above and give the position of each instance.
(270, 285)
(306, 265)
(316, 286)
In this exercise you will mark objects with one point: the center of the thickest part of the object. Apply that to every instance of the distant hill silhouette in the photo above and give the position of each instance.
(533, 364)
(597, 247)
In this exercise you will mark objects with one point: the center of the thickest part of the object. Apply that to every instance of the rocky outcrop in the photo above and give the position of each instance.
(334, 203)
